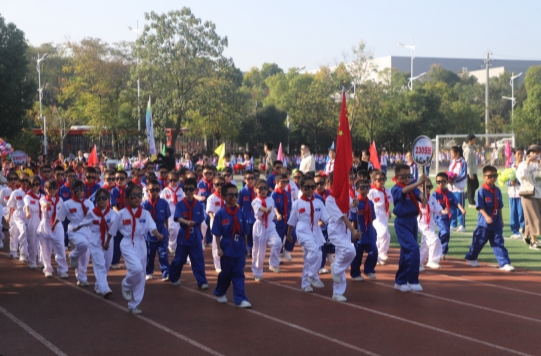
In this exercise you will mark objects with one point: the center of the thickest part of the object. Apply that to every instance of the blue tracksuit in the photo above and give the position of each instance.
(492, 233)
(160, 213)
(233, 259)
(444, 221)
(328, 247)
(189, 242)
(271, 181)
(406, 230)
(245, 204)
(281, 226)
(367, 243)
(205, 190)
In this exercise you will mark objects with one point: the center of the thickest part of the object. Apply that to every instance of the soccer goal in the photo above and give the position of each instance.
(490, 149)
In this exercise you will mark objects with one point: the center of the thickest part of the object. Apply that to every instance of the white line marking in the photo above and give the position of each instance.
(294, 326)
(32, 332)
(493, 285)
(433, 328)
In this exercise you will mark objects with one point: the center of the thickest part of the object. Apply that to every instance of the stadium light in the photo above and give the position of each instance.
(512, 97)
(410, 83)
(138, 86)
(412, 48)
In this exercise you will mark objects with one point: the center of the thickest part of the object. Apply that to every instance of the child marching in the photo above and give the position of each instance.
(430, 243)
(382, 199)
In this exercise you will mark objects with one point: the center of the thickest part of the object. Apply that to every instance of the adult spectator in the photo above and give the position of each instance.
(308, 163)
(167, 161)
(473, 181)
(270, 157)
(529, 171)
(80, 157)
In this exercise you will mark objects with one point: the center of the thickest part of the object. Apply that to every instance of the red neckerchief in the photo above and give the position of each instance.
(190, 215)
(413, 199)
(153, 211)
(85, 209)
(43, 179)
(209, 185)
(325, 194)
(103, 224)
(427, 217)
(60, 183)
(286, 202)
(122, 202)
(34, 196)
(445, 199)
(67, 185)
(496, 203)
(385, 195)
(252, 193)
(137, 215)
(217, 193)
(288, 188)
(174, 191)
(53, 217)
(351, 192)
(311, 209)
(108, 187)
(164, 181)
(236, 224)
(367, 210)
(265, 215)
(88, 188)
(137, 183)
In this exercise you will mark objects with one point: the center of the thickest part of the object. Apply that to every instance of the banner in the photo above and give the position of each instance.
(150, 133)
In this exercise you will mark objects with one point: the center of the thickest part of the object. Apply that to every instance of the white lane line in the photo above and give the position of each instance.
(465, 304)
(433, 328)
(32, 332)
(493, 285)
(294, 326)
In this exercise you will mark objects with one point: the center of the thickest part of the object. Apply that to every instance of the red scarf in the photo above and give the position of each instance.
(236, 224)
(88, 188)
(137, 215)
(174, 191)
(445, 200)
(164, 181)
(427, 217)
(367, 211)
(265, 215)
(209, 185)
(103, 224)
(311, 209)
(190, 215)
(351, 192)
(53, 217)
(412, 197)
(122, 203)
(137, 183)
(153, 205)
(33, 196)
(384, 191)
(217, 193)
(496, 203)
(286, 202)
(85, 209)
(324, 195)
(455, 163)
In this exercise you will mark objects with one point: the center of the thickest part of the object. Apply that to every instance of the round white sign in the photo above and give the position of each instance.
(422, 150)
(19, 158)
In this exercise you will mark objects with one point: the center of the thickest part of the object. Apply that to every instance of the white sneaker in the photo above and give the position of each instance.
(245, 304)
(23, 260)
(176, 284)
(32, 266)
(64, 275)
(471, 206)
(204, 286)
(381, 262)
(402, 287)
(218, 270)
(421, 268)
(82, 283)
(275, 269)
(359, 279)
(73, 263)
(308, 289)
(339, 298)
(165, 279)
(149, 277)
(433, 265)
(323, 271)
(316, 283)
(415, 287)
(221, 299)
(336, 278)
(473, 263)
(371, 275)
(171, 251)
(48, 275)
(127, 295)
(258, 279)
(115, 266)
(461, 229)
(507, 268)
(135, 311)
(383, 258)
(97, 289)
(287, 255)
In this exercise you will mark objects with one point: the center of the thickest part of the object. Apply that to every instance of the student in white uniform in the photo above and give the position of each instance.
(51, 231)
(99, 220)
(264, 231)
(5, 193)
(133, 222)
(32, 212)
(430, 249)
(305, 214)
(214, 203)
(173, 194)
(75, 210)
(382, 199)
(17, 221)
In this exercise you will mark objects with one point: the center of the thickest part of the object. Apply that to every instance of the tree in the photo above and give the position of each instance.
(528, 116)
(16, 86)
(177, 51)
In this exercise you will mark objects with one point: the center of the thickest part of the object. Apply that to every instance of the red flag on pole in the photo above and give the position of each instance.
(93, 158)
(374, 156)
(342, 163)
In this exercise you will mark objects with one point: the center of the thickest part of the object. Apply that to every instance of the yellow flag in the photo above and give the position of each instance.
(220, 151)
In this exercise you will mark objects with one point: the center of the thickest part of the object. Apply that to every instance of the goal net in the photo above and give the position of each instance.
(489, 149)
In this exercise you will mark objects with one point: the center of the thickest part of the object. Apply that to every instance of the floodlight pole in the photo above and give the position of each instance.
(40, 91)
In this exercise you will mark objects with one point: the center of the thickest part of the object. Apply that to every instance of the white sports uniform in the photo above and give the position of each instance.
(430, 242)
(17, 225)
(381, 223)
(31, 203)
(264, 231)
(50, 240)
(168, 194)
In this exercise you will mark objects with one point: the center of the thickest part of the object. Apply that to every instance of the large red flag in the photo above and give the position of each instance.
(93, 158)
(342, 163)
(374, 156)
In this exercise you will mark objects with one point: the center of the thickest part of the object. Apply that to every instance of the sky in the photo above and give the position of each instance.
(304, 33)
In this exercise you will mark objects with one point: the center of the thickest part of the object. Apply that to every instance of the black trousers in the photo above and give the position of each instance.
(472, 186)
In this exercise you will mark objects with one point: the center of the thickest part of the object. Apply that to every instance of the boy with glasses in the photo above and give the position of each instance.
(230, 229)
(448, 201)
(246, 196)
(172, 194)
(489, 222)
(45, 174)
(227, 173)
(282, 208)
(108, 180)
(64, 192)
(33, 217)
(271, 179)
(162, 177)
(90, 182)
(295, 184)
(5, 193)
(382, 199)
(327, 249)
(59, 175)
(17, 221)
(430, 243)
(214, 203)
(118, 202)
(204, 190)
(189, 213)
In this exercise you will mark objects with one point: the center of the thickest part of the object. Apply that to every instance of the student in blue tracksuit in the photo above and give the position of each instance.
(406, 197)
(64, 192)
(363, 218)
(459, 168)
(230, 229)
(327, 250)
(118, 202)
(160, 212)
(489, 223)
(204, 190)
(246, 196)
(190, 214)
(276, 169)
(91, 185)
(282, 208)
(448, 201)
